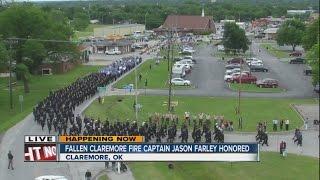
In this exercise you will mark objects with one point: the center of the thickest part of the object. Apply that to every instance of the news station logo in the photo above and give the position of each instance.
(40, 148)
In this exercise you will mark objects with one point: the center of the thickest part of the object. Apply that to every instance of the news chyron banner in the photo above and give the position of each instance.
(132, 148)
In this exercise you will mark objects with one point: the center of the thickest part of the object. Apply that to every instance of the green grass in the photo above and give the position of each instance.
(254, 88)
(39, 88)
(253, 109)
(103, 177)
(272, 49)
(157, 77)
(271, 166)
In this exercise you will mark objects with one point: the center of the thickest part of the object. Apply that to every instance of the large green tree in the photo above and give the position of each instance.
(234, 38)
(34, 53)
(313, 61)
(311, 36)
(26, 21)
(291, 33)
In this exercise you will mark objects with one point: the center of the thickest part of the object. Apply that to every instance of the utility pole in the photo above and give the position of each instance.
(136, 91)
(11, 41)
(170, 72)
(168, 42)
(239, 95)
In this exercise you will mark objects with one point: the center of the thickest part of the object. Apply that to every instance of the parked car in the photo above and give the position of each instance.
(113, 52)
(297, 61)
(180, 82)
(267, 83)
(247, 79)
(229, 77)
(230, 71)
(220, 48)
(179, 69)
(186, 61)
(316, 88)
(190, 57)
(188, 50)
(232, 66)
(236, 61)
(250, 60)
(295, 53)
(51, 177)
(258, 69)
(255, 63)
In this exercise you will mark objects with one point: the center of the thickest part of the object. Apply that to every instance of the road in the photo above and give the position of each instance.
(209, 71)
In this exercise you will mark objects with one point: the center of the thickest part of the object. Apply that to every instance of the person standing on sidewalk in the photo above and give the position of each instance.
(88, 175)
(10, 158)
(287, 124)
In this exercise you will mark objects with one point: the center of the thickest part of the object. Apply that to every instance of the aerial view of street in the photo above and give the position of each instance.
(200, 76)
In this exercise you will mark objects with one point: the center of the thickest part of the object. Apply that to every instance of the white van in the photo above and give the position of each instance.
(186, 61)
(51, 177)
(179, 69)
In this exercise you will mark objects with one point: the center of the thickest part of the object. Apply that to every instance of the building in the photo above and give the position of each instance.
(183, 24)
(121, 30)
(101, 45)
(270, 33)
(299, 12)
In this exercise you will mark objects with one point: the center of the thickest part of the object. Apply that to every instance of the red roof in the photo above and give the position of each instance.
(188, 22)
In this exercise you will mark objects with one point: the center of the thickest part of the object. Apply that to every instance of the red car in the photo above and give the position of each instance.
(246, 79)
(267, 83)
(295, 53)
(236, 61)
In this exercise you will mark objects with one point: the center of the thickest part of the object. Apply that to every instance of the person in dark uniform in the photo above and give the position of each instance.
(10, 158)
(88, 175)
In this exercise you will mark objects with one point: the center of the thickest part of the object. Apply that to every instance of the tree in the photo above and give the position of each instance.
(33, 52)
(23, 71)
(234, 38)
(313, 61)
(291, 33)
(311, 36)
(4, 56)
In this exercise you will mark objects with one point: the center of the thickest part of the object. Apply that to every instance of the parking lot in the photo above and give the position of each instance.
(207, 76)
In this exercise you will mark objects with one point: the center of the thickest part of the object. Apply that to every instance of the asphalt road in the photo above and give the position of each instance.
(208, 74)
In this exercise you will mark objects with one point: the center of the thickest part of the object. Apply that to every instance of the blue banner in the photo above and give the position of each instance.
(158, 148)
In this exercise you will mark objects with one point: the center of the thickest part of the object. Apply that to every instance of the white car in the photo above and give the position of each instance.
(188, 65)
(253, 63)
(187, 57)
(186, 61)
(113, 52)
(230, 71)
(51, 177)
(188, 50)
(220, 48)
(253, 60)
(228, 77)
(180, 82)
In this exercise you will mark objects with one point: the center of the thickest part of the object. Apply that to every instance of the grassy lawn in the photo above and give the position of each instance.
(272, 49)
(157, 77)
(254, 88)
(103, 177)
(253, 109)
(39, 88)
(271, 166)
